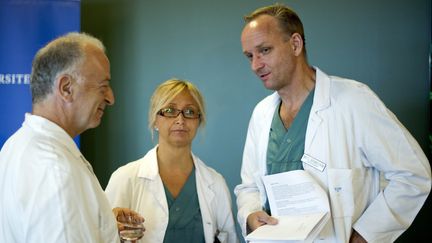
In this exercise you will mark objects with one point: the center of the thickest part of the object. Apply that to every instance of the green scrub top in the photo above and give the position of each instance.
(185, 220)
(286, 147)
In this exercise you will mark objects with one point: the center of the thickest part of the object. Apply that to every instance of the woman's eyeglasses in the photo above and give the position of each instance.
(188, 113)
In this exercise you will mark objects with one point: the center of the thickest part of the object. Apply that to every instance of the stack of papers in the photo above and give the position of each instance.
(300, 205)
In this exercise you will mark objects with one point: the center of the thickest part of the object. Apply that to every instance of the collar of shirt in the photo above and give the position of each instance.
(51, 129)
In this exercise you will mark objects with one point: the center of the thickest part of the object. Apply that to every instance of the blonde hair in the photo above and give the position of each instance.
(166, 92)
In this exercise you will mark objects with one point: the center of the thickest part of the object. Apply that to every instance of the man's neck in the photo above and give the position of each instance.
(294, 95)
(47, 110)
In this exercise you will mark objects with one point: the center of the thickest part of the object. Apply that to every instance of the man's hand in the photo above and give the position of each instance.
(124, 215)
(259, 218)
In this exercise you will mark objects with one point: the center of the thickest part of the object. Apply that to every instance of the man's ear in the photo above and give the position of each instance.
(65, 87)
(296, 43)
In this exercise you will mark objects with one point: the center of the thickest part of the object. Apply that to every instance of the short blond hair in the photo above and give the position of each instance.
(288, 20)
(166, 92)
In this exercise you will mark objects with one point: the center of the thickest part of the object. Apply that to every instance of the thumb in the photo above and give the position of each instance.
(268, 220)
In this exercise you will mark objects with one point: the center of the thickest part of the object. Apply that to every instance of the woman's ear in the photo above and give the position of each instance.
(65, 87)
(156, 125)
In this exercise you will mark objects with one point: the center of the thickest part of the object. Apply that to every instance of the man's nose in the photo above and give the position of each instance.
(257, 63)
(109, 96)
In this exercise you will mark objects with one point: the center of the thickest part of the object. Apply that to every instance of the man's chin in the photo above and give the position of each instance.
(95, 123)
(268, 86)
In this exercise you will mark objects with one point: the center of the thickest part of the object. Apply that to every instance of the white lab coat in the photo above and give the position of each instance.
(48, 191)
(138, 186)
(357, 139)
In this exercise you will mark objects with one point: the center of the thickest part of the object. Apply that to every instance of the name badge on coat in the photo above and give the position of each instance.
(313, 162)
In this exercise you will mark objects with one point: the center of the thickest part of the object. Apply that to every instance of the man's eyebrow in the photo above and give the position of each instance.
(261, 45)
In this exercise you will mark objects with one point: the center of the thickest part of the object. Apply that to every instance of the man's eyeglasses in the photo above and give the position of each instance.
(188, 113)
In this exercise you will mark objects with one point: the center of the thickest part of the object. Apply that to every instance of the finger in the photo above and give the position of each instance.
(266, 219)
(272, 220)
(121, 216)
(120, 226)
(135, 217)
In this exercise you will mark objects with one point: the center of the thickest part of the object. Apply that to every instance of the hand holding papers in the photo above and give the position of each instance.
(300, 205)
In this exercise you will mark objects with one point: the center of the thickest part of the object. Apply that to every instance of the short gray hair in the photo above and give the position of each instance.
(62, 55)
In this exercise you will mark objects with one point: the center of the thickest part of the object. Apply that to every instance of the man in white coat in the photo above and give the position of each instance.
(48, 191)
(375, 173)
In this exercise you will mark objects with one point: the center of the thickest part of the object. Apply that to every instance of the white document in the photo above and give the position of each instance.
(300, 205)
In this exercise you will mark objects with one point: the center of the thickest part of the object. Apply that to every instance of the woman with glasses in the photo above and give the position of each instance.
(180, 198)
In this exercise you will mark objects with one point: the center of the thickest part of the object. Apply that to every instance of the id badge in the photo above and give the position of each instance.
(313, 162)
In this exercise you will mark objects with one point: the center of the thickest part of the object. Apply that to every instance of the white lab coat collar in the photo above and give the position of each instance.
(320, 102)
(50, 129)
(322, 91)
(149, 168)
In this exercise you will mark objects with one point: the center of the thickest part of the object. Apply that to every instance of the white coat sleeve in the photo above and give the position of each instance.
(119, 190)
(247, 193)
(225, 219)
(391, 149)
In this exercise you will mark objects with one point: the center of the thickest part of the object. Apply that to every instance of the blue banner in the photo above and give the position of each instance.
(25, 27)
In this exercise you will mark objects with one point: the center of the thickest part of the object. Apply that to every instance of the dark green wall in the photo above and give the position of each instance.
(382, 43)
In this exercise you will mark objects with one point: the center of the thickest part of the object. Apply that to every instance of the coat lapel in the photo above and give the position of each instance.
(321, 102)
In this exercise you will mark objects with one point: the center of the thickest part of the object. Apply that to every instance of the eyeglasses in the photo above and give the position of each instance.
(188, 113)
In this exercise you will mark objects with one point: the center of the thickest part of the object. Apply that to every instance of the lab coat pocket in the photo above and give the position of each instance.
(340, 186)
